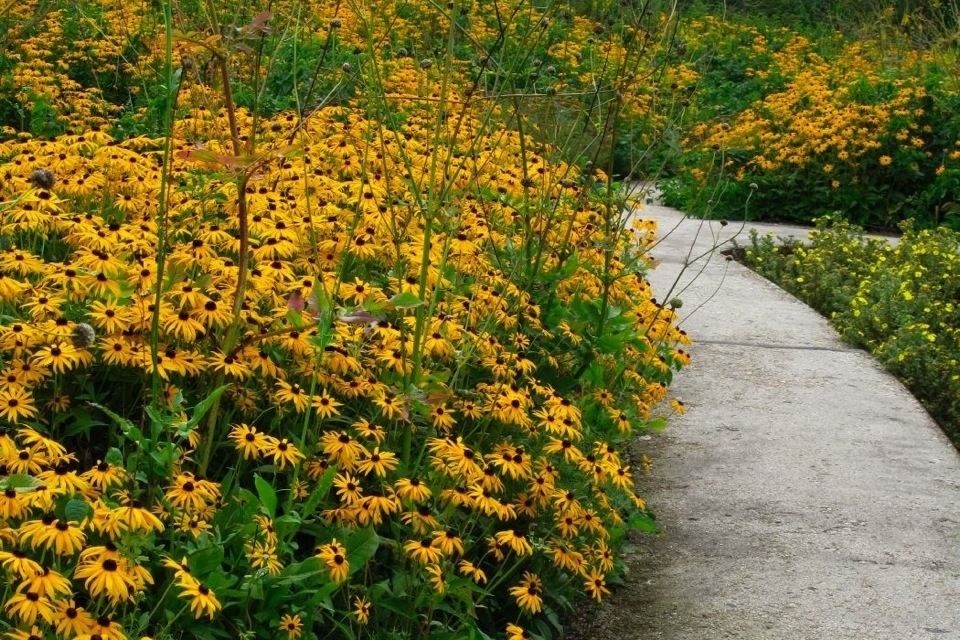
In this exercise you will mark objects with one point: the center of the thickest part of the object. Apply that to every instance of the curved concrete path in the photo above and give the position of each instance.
(804, 495)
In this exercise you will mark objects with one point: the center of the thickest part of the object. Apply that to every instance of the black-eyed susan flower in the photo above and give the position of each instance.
(107, 628)
(19, 563)
(291, 394)
(529, 593)
(412, 489)
(72, 620)
(60, 357)
(449, 542)
(59, 536)
(107, 576)
(342, 449)
(362, 609)
(325, 405)
(203, 601)
(48, 583)
(367, 429)
(134, 516)
(248, 441)
(12, 504)
(22, 634)
(16, 403)
(291, 625)
(437, 578)
(187, 494)
(516, 632)
(28, 606)
(596, 585)
(423, 551)
(378, 462)
(283, 452)
(30, 461)
(517, 542)
(472, 571)
(264, 556)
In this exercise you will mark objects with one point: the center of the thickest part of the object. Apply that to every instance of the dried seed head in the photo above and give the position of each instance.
(426, 63)
(347, 67)
(336, 23)
(43, 178)
(83, 335)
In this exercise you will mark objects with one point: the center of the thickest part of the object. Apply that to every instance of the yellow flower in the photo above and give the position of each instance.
(472, 571)
(437, 578)
(283, 451)
(529, 593)
(106, 575)
(28, 605)
(71, 619)
(248, 441)
(378, 462)
(361, 609)
(423, 551)
(324, 405)
(291, 625)
(16, 403)
(202, 599)
(596, 585)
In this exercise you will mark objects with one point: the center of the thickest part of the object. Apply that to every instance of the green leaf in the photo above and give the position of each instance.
(21, 482)
(295, 319)
(311, 567)
(361, 546)
(645, 522)
(318, 494)
(205, 561)
(76, 509)
(406, 300)
(203, 407)
(114, 457)
(268, 497)
(657, 424)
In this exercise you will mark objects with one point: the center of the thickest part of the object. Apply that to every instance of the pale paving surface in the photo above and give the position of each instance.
(805, 494)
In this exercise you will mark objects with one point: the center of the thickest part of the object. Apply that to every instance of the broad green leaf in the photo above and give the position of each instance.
(203, 407)
(406, 300)
(76, 509)
(644, 522)
(114, 457)
(205, 561)
(21, 481)
(268, 497)
(320, 492)
(361, 546)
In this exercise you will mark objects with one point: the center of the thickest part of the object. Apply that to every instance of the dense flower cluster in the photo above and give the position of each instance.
(854, 127)
(369, 366)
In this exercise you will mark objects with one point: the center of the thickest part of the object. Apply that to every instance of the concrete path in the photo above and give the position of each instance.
(805, 494)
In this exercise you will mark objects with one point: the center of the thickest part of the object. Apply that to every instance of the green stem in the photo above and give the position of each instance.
(163, 206)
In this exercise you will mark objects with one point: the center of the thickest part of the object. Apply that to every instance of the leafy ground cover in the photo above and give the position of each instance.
(864, 126)
(322, 321)
(898, 302)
